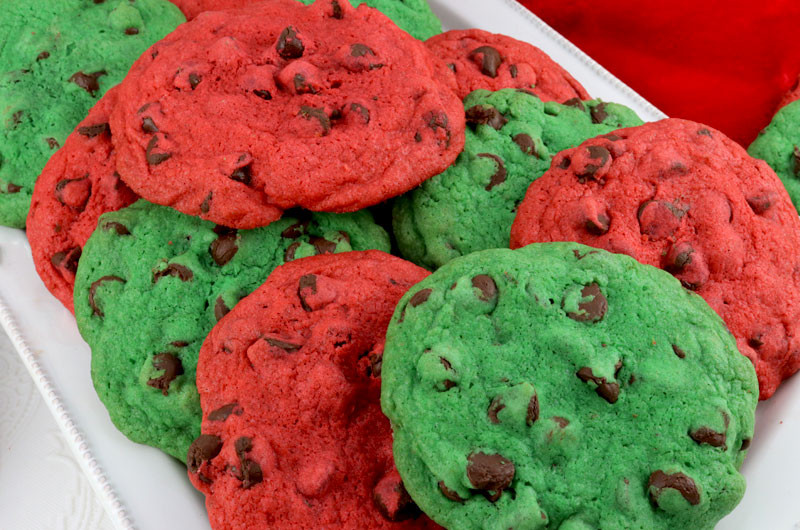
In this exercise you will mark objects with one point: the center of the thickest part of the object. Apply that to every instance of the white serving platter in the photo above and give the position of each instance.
(142, 488)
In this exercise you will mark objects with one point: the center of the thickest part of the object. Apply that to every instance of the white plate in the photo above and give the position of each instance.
(143, 488)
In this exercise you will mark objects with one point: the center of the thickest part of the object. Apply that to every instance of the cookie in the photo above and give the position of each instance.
(492, 61)
(413, 16)
(683, 197)
(558, 386)
(511, 138)
(78, 185)
(165, 278)
(278, 105)
(293, 433)
(792, 95)
(57, 58)
(779, 145)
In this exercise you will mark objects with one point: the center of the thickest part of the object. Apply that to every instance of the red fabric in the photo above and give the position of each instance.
(726, 63)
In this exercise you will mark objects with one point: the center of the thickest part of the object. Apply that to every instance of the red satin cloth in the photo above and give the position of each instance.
(725, 63)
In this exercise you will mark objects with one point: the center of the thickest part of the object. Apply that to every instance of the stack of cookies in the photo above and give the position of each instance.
(221, 223)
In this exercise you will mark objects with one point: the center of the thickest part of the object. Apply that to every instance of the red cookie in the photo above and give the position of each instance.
(492, 62)
(241, 114)
(683, 197)
(78, 185)
(192, 8)
(289, 381)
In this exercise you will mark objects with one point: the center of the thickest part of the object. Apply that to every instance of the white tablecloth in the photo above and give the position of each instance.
(41, 485)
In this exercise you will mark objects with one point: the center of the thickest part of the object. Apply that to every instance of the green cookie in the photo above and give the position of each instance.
(413, 16)
(57, 57)
(511, 139)
(559, 386)
(779, 145)
(151, 284)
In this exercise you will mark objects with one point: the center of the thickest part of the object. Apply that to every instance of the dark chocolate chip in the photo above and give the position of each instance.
(513, 70)
(296, 230)
(760, 203)
(148, 125)
(606, 390)
(155, 158)
(490, 473)
(322, 246)
(205, 206)
(596, 152)
(532, 413)
(194, 80)
(309, 281)
(52, 143)
(222, 413)
(679, 352)
(179, 343)
(94, 130)
(360, 50)
(420, 297)
(612, 137)
(561, 422)
(81, 192)
(67, 260)
(88, 82)
(119, 228)
(96, 311)
(704, 132)
(288, 347)
(599, 114)
(44, 55)
(438, 120)
(595, 309)
(599, 225)
(494, 408)
(310, 113)
(448, 493)
(224, 248)
(394, 503)
(490, 60)
(565, 162)
(13, 188)
(289, 46)
(243, 445)
(337, 10)
(250, 474)
(485, 115)
(755, 341)
(486, 285)
(263, 94)
(290, 251)
(174, 270)
(677, 481)
(361, 109)
(499, 175)
(220, 309)
(745, 444)
(575, 102)
(526, 144)
(301, 86)
(418, 137)
(204, 448)
(680, 260)
(706, 435)
(172, 368)
(131, 31)
(242, 174)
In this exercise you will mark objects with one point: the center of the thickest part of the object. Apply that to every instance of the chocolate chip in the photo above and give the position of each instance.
(526, 144)
(310, 113)
(131, 31)
(448, 493)
(598, 225)
(296, 230)
(322, 246)
(612, 137)
(494, 408)
(289, 46)
(96, 311)
(595, 309)
(74, 193)
(565, 162)
(290, 251)
(222, 413)
(376, 364)
(243, 445)
(194, 80)
(760, 203)
(513, 70)
(88, 82)
(679, 352)
(301, 86)
(678, 481)
(91, 131)
(309, 281)
(155, 158)
(175, 270)
(599, 114)
(204, 448)
(172, 368)
(263, 94)
(606, 390)
(43, 55)
(418, 137)
(67, 260)
(360, 50)
(486, 285)
(361, 109)
(205, 206)
(148, 125)
(499, 175)
(119, 228)
(250, 474)
(220, 309)
(755, 342)
(596, 152)
(52, 143)
(438, 120)
(561, 422)
(575, 102)
(288, 347)
(224, 248)
(490, 473)
(745, 444)
(681, 259)
(242, 174)
(485, 115)
(490, 61)
(393, 501)
(337, 10)
(420, 297)
(532, 413)
(704, 132)
(706, 435)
